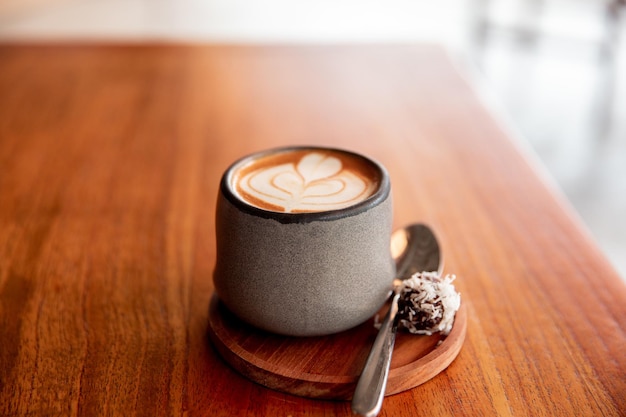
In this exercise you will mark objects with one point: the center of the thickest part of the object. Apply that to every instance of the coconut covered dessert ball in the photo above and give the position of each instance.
(428, 303)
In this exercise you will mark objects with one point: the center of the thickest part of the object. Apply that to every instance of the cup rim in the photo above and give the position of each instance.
(379, 196)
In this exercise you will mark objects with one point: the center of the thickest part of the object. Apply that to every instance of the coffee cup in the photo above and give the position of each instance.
(303, 240)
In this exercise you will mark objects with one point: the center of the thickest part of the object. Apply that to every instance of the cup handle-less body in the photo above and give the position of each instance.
(303, 274)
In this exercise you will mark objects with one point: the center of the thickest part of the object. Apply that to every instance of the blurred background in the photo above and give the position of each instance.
(552, 71)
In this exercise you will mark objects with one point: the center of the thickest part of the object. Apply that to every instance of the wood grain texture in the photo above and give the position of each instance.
(110, 158)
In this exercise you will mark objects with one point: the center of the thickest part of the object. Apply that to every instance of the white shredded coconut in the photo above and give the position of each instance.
(428, 303)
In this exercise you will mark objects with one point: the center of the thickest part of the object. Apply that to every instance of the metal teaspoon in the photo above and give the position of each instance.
(415, 249)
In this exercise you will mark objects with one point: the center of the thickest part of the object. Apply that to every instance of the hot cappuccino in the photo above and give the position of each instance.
(305, 180)
(302, 239)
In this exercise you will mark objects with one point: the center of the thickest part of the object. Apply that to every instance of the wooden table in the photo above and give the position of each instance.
(110, 158)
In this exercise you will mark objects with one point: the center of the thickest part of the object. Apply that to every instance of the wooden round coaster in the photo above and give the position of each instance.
(328, 367)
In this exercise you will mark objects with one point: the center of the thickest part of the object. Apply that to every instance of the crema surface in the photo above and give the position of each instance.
(301, 181)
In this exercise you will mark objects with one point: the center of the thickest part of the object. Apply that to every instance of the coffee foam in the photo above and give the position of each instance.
(306, 181)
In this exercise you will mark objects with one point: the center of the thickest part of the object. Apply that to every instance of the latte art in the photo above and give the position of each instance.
(308, 181)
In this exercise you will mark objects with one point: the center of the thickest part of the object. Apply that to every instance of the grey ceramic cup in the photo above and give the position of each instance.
(303, 274)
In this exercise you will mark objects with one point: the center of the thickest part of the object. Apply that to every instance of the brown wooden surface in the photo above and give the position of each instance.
(110, 158)
(328, 367)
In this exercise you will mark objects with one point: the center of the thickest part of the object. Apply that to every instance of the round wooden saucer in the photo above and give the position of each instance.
(328, 366)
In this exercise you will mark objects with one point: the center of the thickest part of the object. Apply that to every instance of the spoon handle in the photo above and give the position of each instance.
(370, 390)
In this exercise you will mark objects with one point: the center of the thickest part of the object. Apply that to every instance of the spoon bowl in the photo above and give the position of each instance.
(415, 249)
